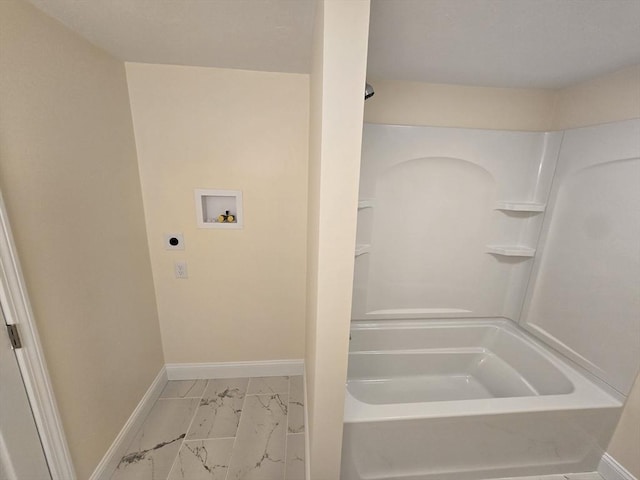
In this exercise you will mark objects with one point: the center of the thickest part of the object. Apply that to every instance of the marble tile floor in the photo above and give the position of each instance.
(221, 429)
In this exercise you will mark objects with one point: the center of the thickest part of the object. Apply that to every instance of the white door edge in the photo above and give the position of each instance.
(13, 295)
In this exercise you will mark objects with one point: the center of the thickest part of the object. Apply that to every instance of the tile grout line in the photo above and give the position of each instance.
(235, 438)
(271, 394)
(286, 426)
(295, 434)
(195, 411)
(191, 440)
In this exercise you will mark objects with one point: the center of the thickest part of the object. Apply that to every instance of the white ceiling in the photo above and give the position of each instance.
(502, 43)
(507, 43)
(266, 35)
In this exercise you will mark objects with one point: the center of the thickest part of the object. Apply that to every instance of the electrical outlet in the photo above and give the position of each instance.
(181, 269)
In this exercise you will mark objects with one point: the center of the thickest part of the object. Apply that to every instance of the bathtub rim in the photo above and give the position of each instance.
(588, 393)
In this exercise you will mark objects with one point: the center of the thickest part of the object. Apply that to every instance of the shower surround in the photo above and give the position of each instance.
(496, 321)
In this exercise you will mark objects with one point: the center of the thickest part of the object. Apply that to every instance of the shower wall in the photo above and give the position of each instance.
(448, 220)
(540, 228)
(583, 297)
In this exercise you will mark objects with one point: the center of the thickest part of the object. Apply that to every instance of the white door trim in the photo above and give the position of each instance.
(17, 310)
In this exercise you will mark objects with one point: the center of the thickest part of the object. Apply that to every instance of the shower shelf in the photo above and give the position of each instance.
(521, 207)
(362, 248)
(511, 250)
(365, 204)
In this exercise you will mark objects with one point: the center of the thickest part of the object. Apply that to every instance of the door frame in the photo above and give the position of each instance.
(17, 310)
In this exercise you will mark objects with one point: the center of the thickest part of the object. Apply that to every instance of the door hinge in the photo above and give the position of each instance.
(14, 336)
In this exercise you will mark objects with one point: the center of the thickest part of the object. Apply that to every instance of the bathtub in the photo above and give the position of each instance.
(467, 400)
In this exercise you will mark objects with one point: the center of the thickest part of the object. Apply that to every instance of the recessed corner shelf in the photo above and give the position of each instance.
(511, 250)
(365, 204)
(521, 207)
(362, 248)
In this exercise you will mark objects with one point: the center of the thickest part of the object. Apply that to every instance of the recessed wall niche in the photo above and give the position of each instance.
(219, 208)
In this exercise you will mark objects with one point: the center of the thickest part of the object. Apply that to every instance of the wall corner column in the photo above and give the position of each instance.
(335, 137)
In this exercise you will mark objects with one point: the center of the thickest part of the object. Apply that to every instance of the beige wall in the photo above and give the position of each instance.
(233, 130)
(607, 98)
(415, 103)
(337, 97)
(69, 176)
(625, 445)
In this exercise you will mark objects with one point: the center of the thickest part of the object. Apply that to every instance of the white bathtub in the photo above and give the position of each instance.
(466, 400)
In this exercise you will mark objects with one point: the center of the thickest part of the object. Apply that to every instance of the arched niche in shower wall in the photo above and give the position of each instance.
(449, 219)
(432, 221)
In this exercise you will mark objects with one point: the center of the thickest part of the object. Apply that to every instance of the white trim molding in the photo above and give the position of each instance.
(118, 448)
(17, 310)
(267, 368)
(610, 469)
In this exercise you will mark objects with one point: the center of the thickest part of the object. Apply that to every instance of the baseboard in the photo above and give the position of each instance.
(110, 461)
(268, 368)
(610, 469)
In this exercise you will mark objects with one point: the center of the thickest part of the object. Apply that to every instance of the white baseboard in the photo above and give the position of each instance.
(110, 461)
(268, 368)
(610, 469)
